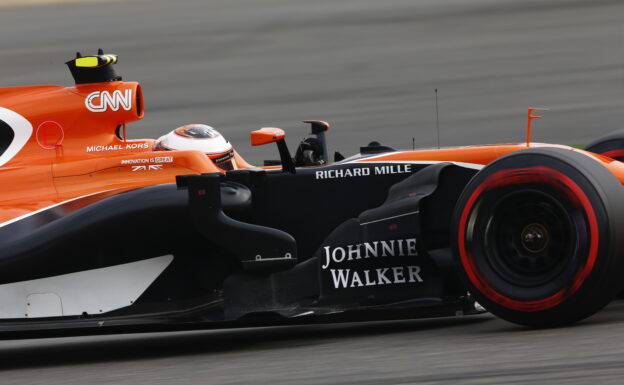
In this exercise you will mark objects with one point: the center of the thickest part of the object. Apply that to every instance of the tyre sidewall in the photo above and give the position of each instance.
(602, 281)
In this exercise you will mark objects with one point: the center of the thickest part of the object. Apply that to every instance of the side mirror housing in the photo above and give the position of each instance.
(319, 128)
(267, 135)
(274, 135)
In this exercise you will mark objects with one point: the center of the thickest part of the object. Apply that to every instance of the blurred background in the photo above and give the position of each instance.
(370, 68)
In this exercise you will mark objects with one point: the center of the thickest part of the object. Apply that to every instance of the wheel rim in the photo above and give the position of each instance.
(528, 238)
(476, 215)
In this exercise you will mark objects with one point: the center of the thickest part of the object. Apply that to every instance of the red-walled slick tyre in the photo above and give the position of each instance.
(611, 145)
(538, 236)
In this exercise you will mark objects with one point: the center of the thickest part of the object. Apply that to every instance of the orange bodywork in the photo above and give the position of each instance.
(74, 151)
(485, 154)
(74, 146)
(266, 135)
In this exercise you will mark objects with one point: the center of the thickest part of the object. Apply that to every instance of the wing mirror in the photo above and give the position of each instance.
(274, 135)
(267, 135)
(319, 127)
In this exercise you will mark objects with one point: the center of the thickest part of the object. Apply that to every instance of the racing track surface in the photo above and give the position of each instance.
(472, 350)
(370, 68)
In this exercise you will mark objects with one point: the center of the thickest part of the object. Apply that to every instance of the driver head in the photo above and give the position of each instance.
(199, 137)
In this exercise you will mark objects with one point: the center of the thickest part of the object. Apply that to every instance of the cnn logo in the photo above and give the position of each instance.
(102, 101)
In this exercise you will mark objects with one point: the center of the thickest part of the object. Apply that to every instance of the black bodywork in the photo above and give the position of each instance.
(346, 242)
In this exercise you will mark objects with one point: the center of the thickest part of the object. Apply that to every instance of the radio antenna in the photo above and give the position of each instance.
(437, 117)
(530, 118)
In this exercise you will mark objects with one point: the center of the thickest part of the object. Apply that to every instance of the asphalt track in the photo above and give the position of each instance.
(370, 68)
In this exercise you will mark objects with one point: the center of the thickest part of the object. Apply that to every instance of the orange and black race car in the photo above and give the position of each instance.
(101, 234)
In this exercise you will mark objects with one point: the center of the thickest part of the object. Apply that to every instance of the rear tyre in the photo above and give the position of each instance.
(537, 237)
(611, 145)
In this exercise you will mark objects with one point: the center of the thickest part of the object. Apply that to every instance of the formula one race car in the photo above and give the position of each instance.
(101, 234)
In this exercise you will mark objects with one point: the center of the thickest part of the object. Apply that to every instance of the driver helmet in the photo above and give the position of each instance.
(202, 138)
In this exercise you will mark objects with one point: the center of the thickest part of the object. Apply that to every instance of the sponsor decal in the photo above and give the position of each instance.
(364, 171)
(347, 278)
(163, 159)
(151, 167)
(102, 101)
(118, 147)
(333, 257)
(22, 129)
(50, 135)
(157, 159)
